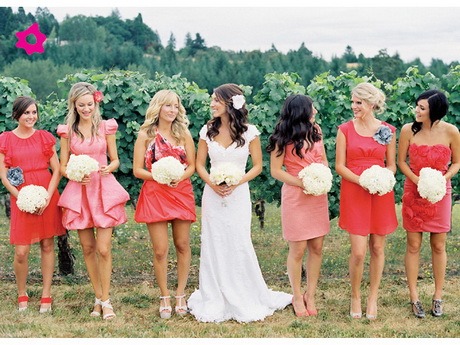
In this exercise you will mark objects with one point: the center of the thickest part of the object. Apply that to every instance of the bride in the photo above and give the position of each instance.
(231, 283)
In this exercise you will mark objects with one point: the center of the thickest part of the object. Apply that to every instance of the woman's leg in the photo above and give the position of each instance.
(181, 236)
(439, 260)
(377, 262)
(21, 269)
(48, 261)
(412, 258)
(160, 244)
(314, 260)
(104, 258)
(88, 245)
(294, 269)
(356, 268)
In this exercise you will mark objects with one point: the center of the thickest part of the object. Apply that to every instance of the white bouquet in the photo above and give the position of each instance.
(31, 198)
(226, 173)
(316, 179)
(431, 185)
(167, 169)
(79, 166)
(377, 180)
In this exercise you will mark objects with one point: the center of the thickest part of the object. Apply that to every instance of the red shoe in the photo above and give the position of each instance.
(313, 312)
(23, 299)
(46, 300)
(299, 314)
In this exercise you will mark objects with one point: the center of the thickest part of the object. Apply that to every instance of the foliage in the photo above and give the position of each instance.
(10, 89)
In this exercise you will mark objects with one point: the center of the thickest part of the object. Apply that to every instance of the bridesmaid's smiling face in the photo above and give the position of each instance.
(218, 109)
(422, 111)
(85, 106)
(29, 118)
(360, 107)
(169, 111)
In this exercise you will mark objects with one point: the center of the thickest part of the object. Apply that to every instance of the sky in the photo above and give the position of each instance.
(400, 27)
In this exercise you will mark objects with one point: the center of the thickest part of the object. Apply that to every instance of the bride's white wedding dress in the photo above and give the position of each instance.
(231, 283)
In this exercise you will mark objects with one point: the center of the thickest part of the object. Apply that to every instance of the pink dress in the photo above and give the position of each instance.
(362, 213)
(100, 204)
(420, 215)
(303, 216)
(32, 155)
(159, 202)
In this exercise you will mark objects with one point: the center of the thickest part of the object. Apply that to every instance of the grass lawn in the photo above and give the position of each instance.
(135, 294)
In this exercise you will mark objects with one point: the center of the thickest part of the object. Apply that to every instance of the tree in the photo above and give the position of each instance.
(349, 56)
(386, 67)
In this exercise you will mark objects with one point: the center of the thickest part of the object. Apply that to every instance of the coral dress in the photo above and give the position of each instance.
(420, 215)
(101, 203)
(231, 282)
(32, 155)
(159, 202)
(303, 216)
(362, 213)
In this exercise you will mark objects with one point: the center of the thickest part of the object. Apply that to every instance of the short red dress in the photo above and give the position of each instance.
(303, 216)
(420, 215)
(32, 155)
(363, 213)
(159, 202)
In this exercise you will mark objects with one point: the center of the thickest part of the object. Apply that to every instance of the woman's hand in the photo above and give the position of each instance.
(104, 170)
(223, 190)
(86, 180)
(42, 209)
(174, 183)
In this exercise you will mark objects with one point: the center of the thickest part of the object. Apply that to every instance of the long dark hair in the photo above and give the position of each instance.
(238, 118)
(20, 106)
(438, 103)
(294, 126)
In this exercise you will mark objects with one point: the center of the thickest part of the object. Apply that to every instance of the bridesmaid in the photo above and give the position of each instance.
(428, 142)
(296, 143)
(97, 202)
(163, 134)
(361, 143)
(34, 152)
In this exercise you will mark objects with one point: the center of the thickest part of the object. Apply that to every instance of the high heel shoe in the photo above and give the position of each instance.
(312, 312)
(165, 311)
(95, 313)
(180, 309)
(436, 308)
(46, 300)
(23, 299)
(417, 309)
(355, 315)
(110, 315)
(301, 313)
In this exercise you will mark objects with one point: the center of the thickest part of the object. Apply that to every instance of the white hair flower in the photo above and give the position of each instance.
(238, 101)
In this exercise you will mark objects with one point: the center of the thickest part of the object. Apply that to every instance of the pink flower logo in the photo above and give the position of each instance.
(31, 48)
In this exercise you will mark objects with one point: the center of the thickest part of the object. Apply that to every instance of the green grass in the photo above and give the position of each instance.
(135, 293)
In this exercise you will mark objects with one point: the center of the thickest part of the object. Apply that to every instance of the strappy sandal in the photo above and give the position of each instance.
(180, 309)
(46, 300)
(110, 315)
(23, 299)
(417, 309)
(165, 311)
(95, 313)
(436, 308)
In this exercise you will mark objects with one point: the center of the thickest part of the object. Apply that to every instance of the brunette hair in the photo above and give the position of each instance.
(20, 106)
(438, 105)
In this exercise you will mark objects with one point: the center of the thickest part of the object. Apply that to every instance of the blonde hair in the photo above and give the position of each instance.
(73, 119)
(152, 117)
(370, 94)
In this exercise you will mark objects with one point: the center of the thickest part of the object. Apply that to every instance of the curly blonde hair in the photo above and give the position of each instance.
(73, 119)
(370, 94)
(180, 124)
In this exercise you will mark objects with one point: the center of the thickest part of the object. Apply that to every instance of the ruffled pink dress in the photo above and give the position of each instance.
(101, 203)
(159, 202)
(420, 215)
(303, 216)
(32, 155)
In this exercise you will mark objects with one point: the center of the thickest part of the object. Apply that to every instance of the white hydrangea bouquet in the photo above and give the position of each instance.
(431, 185)
(316, 179)
(377, 180)
(80, 165)
(167, 169)
(227, 173)
(31, 198)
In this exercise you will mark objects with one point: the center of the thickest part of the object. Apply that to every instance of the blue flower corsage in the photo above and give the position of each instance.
(383, 135)
(15, 176)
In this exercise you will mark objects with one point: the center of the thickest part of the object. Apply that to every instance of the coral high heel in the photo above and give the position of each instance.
(23, 299)
(46, 300)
